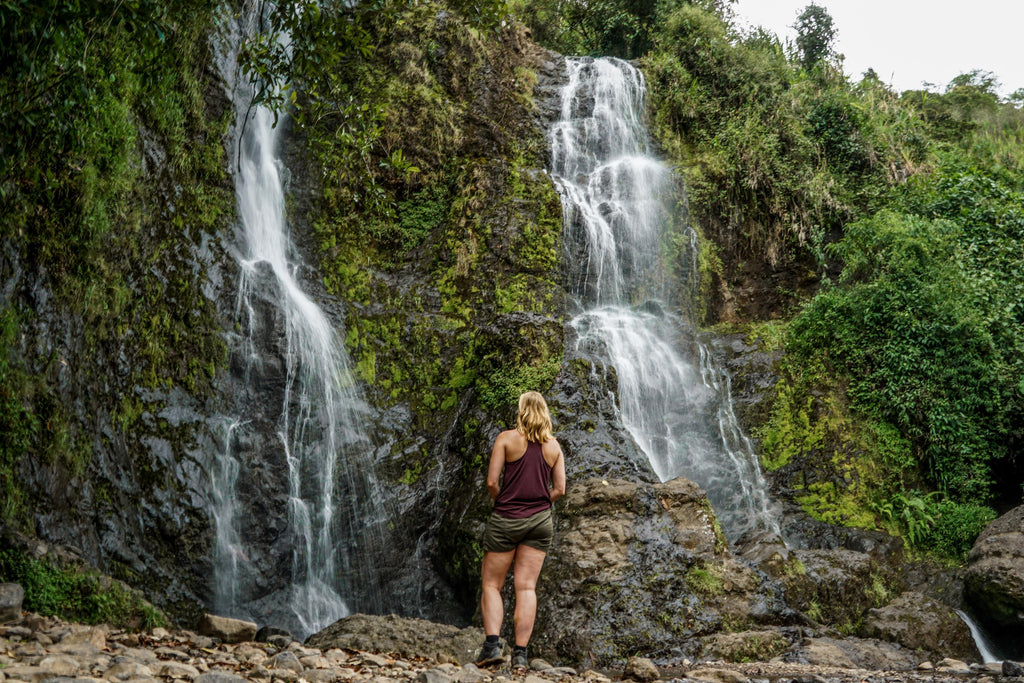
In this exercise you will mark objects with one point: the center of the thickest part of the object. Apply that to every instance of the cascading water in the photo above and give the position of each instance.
(985, 648)
(617, 201)
(331, 510)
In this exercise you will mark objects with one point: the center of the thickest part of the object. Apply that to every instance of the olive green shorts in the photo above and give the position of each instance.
(504, 534)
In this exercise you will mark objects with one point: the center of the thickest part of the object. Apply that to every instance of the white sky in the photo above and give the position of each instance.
(910, 41)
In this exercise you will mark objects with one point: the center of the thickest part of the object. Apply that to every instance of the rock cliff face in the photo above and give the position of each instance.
(113, 361)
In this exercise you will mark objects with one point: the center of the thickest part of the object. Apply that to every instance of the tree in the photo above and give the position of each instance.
(815, 36)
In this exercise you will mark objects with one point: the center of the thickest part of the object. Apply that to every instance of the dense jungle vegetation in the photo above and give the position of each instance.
(900, 215)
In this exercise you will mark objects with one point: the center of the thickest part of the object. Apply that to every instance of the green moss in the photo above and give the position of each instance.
(76, 594)
(413, 473)
(703, 581)
(34, 422)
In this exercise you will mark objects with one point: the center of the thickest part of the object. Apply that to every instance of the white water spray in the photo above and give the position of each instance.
(980, 641)
(617, 201)
(331, 496)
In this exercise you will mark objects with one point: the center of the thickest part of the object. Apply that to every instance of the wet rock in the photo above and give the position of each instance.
(227, 629)
(406, 637)
(766, 549)
(640, 669)
(920, 623)
(994, 578)
(11, 597)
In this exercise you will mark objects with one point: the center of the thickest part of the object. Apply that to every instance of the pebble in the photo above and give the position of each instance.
(50, 651)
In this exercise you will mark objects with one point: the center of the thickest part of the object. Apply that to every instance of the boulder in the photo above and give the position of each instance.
(713, 675)
(11, 597)
(917, 622)
(833, 587)
(640, 669)
(746, 646)
(227, 629)
(994, 579)
(854, 653)
(405, 637)
(638, 567)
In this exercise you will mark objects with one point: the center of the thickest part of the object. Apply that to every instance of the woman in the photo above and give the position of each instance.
(520, 528)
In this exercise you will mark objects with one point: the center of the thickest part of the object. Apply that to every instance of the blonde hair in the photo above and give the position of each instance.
(534, 420)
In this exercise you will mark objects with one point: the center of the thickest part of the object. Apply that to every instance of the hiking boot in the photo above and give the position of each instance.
(519, 661)
(490, 653)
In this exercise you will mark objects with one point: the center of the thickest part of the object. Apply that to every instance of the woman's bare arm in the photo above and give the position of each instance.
(496, 465)
(558, 477)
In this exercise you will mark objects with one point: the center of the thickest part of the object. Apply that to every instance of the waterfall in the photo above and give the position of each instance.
(980, 641)
(618, 201)
(322, 451)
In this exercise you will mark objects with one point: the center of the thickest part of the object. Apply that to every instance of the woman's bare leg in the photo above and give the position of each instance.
(527, 570)
(493, 570)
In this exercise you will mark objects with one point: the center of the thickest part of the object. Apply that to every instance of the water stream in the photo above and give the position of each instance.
(985, 648)
(330, 487)
(619, 201)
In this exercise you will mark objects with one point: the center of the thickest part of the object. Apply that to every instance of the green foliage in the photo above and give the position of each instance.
(904, 333)
(503, 387)
(955, 527)
(911, 512)
(76, 594)
(605, 27)
(815, 36)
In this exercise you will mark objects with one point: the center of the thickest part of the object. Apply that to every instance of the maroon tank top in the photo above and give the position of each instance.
(524, 488)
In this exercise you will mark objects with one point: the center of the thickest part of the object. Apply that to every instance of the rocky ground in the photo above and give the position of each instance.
(40, 649)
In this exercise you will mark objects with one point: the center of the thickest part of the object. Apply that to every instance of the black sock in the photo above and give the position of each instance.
(519, 649)
(492, 639)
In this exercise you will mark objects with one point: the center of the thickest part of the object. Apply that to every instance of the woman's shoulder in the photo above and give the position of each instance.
(510, 436)
(551, 446)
